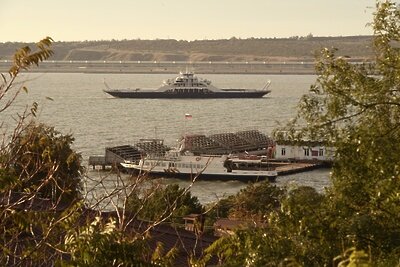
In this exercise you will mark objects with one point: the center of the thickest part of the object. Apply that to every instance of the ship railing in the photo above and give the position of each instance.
(267, 84)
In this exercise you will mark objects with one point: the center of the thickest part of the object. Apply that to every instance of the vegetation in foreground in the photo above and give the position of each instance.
(354, 223)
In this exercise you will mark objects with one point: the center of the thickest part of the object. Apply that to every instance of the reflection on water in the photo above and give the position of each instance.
(211, 191)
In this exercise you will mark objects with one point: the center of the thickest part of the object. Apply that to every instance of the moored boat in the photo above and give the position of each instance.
(177, 165)
(188, 85)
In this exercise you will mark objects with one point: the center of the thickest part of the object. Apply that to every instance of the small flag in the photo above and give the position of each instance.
(188, 116)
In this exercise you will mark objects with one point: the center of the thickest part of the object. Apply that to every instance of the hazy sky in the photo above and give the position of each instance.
(78, 20)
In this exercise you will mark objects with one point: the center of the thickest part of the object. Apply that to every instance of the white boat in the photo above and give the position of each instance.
(178, 165)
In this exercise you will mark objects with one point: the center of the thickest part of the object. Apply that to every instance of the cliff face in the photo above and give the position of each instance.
(232, 50)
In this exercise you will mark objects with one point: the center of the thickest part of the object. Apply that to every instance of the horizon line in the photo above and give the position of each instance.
(295, 37)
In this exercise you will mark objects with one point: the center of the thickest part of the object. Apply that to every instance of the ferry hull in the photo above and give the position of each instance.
(226, 94)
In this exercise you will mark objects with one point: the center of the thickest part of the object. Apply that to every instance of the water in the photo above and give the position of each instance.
(96, 120)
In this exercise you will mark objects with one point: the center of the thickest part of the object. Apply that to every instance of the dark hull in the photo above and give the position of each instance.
(225, 94)
(210, 177)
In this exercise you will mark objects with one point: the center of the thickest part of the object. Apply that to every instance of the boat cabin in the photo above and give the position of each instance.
(304, 152)
(188, 83)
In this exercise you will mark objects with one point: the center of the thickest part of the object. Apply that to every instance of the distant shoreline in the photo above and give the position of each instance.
(113, 67)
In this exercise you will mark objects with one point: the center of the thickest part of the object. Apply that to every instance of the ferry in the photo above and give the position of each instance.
(188, 85)
(189, 166)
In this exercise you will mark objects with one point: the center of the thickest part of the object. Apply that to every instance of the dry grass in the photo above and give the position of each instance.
(231, 50)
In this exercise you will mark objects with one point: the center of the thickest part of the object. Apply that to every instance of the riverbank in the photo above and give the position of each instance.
(294, 68)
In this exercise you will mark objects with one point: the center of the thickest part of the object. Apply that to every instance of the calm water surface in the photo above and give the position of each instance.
(96, 120)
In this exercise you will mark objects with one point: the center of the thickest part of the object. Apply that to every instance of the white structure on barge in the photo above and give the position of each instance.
(304, 152)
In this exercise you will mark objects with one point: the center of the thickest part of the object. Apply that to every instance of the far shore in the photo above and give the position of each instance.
(293, 68)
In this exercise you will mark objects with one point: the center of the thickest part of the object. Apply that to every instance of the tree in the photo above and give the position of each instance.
(44, 163)
(24, 58)
(356, 109)
(255, 201)
(291, 234)
(43, 217)
(102, 244)
(47, 218)
(252, 204)
(159, 202)
(24, 231)
(305, 220)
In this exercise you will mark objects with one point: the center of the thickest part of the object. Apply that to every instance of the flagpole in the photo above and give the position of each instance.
(184, 128)
(187, 117)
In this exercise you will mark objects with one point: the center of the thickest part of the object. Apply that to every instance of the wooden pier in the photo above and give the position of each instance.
(296, 167)
(282, 167)
(99, 161)
(115, 155)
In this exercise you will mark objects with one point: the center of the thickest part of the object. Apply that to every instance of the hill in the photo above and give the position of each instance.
(232, 50)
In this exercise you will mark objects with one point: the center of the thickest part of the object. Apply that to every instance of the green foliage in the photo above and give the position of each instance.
(42, 216)
(354, 258)
(160, 203)
(308, 223)
(23, 231)
(299, 231)
(38, 171)
(356, 109)
(359, 113)
(255, 201)
(8, 179)
(101, 244)
(253, 247)
(222, 208)
(284, 235)
(44, 161)
(29, 237)
(252, 203)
